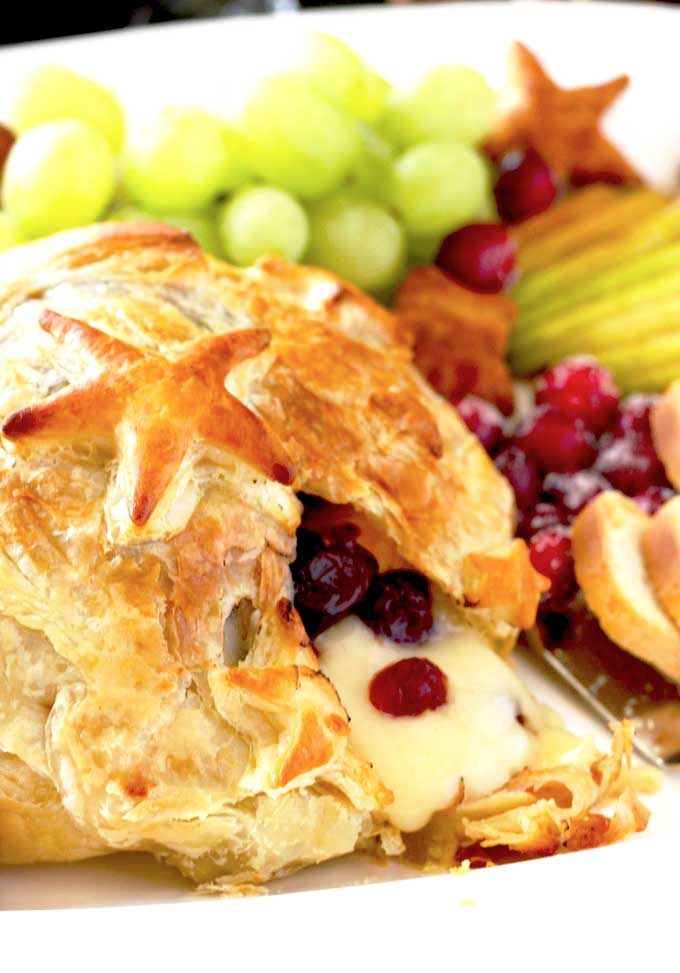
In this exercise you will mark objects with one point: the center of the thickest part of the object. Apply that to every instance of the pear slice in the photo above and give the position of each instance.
(662, 227)
(598, 225)
(532, 347)
(634, 269)
(571, 209)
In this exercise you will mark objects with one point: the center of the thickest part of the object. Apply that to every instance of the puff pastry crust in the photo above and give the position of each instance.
(160, 410)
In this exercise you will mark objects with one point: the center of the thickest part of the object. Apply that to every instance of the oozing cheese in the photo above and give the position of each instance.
(475, 737)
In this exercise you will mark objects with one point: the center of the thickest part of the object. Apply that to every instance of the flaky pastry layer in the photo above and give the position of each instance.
(158, 691)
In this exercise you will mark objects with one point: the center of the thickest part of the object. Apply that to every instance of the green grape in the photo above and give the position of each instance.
(372, 169)
(487, 212)
(448, 102)
(56, 176)
(423, 250)
(236, 171)
(263, 220)
(50, 94)
(202, 226)
(177, 161)
(10, 234)
(438, 186)
(126, 214)
(297, 140)
(357, 239)
(344, 77)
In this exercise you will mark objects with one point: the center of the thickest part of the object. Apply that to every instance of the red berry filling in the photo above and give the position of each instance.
(399, 607)
(408, 688)
(335, 579)
(556, 443)
(480, 256)
(484, 420)
(582, 389)
(526, 186)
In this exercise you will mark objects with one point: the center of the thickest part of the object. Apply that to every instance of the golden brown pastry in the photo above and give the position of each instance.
(158, 691)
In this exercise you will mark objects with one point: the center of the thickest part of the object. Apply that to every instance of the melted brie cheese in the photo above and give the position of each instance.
(475, 737)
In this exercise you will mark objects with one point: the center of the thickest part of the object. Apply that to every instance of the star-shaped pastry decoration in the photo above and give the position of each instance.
(153, 408)
(562, 125)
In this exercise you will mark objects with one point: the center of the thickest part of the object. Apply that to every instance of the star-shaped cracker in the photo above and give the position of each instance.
(152, 408)
(562, 125)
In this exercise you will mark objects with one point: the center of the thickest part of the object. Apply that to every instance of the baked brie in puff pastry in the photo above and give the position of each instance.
(167, 422)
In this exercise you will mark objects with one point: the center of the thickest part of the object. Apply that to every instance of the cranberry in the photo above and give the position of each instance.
(553, 626)
(582, 389)
(556, 443)
(573, 491)
(398, 606)
(579, 177)
(634, 415)
(480, 256)
(522, 475)
(408, 687)
(6, 143)
(631, 465)
(335, 579)
(550, 553)
(654, 497)
(526, 186)
(484, 420)
(543, 515)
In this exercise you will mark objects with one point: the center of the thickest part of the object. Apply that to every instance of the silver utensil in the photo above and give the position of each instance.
(616, 686)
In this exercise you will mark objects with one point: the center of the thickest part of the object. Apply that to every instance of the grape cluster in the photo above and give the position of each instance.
(327, 163)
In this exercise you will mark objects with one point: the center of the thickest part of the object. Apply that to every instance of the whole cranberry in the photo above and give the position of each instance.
(653, 498)
(526, 186)
(408, 687)
(550, 553)
(631, 465)
(522, 475)
(7, 140)
(573, 491)
(634, 416)
(580, 388)
(484, 420)
(398, 606)
(309, 543)
(543, 515)
(556, 443)
(335, 579)
(480, 256)
(579, 177)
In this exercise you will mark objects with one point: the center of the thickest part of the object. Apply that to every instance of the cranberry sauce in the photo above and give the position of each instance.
(398, 606)
(334, 575)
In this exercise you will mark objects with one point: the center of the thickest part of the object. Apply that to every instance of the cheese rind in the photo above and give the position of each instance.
(475, 737)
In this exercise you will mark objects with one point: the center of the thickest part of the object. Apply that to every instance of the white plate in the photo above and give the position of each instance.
(531, 914)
